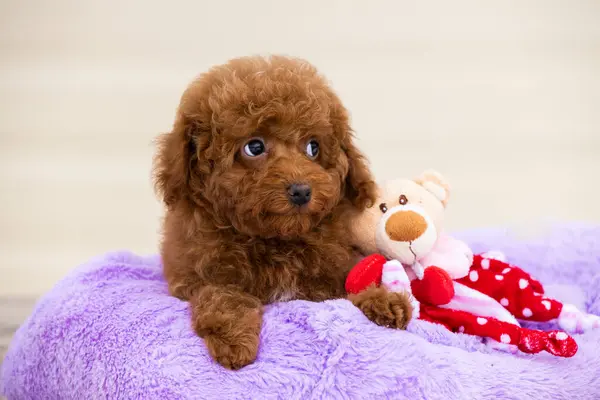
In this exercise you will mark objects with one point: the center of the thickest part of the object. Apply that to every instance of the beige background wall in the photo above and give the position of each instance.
(501, 96)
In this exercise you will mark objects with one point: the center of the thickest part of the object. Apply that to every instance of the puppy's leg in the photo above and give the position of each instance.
(229, 321)
(385, 308)
(183, 284)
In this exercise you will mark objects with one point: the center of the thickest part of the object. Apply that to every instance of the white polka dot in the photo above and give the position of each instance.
(547, 304)
(473, 276)
(537, 294)
(527, 312)
(504, 338)
(504, 301)
(499, 277)
(495, 255)
(561, 336)
(485, 264)
(461, 329)
(523, 283)
(481, 321)
(506, 270)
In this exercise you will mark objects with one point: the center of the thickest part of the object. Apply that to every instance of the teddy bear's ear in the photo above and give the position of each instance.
(435, 183)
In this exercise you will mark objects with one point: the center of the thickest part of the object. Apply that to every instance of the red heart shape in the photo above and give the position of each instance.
(436, 288)
(366, 272)
(564, 346)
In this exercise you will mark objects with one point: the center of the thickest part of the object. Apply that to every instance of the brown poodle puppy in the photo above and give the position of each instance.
(259, 176)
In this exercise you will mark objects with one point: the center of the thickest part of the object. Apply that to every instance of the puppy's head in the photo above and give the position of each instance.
(265, 146)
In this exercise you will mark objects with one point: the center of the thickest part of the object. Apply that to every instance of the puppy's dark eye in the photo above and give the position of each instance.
(312, 149)
(383, 207)
(255, 147)
(403, 200)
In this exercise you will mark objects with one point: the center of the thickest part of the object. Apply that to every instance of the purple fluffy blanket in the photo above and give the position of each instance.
(109, 330)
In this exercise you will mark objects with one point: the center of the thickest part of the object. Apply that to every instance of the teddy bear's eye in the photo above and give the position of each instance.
(403, 200)
(383, 207)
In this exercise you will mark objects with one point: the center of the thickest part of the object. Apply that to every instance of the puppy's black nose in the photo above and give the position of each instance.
(299, 194)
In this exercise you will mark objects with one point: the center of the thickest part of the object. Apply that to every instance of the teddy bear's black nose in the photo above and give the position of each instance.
(299, 193)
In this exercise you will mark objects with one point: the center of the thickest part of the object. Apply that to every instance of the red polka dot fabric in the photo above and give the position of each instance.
(513, 288)
(510, 286)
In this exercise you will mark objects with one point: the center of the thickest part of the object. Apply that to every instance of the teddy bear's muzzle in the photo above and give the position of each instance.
(405, 226)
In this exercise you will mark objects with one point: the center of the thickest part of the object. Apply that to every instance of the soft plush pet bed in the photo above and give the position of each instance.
(109, 330)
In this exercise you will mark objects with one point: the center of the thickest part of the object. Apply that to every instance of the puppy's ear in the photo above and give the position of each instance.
(359, 186)
(435, 183)
(177, 169)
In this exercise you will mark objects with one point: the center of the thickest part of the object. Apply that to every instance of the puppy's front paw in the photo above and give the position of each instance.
(385, 308)
(229, 321)
(233, 355)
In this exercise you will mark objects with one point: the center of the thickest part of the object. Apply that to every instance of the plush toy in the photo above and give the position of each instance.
(480, 295)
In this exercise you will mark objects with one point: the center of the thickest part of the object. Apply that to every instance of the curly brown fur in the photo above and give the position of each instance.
(389, 309)
(233, 241)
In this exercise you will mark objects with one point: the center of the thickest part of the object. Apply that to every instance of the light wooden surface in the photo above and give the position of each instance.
(12, 313)
(501, 96)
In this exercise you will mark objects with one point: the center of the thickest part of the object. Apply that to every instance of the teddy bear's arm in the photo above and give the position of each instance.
(366, 272)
